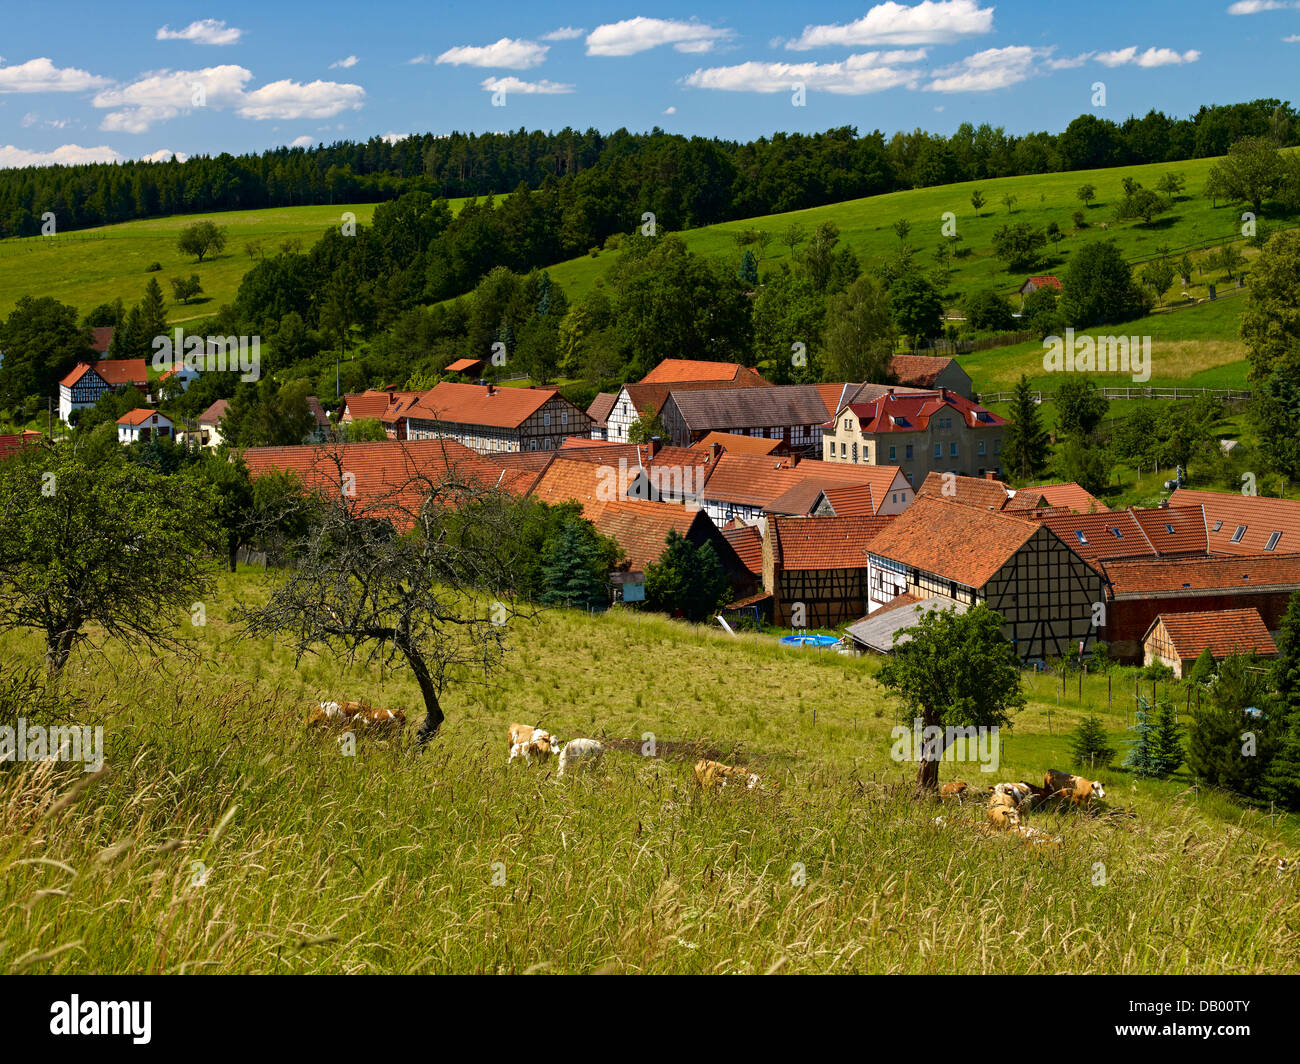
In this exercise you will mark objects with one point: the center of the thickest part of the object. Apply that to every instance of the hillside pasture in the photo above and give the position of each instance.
(224, 837)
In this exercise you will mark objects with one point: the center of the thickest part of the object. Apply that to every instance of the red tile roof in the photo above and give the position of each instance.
(1130, 533)
(919, 371)
(601, 406)
(1043, 280)
(972, 491)
(852, 500)
(1157, 576)
(738, 443)
(465, 365)
(101, 336)
(140, 415)
(318, 412)
(572, 480)
(1224, 632)
(382, 467)
(12, 443)
(366, 405)
(113, 372)
(954, 541)
(641, 528)
(682, 370)
(473, 404)
(802, 543)
(213, 414)
(1258, 517)
(747, 542)
(1071, 496)
(757, 480)
(910, 411)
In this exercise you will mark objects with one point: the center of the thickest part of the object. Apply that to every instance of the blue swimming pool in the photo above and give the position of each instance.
(808, 641)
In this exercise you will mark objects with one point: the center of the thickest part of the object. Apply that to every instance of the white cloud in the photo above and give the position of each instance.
(1254, 7)
(417, 60)
(930, 22)
(509, 53)
(41, 75)
(1069, 62)
(855, 76)
(345, 64)
(67, 155)
(640, 34)
(204, 31)
(993, 68)
(564, 33)
(1152, 57)
(163, 155)
(525, 88)
(31, 118)
(670, 110)
(393, 138)
(302, 142)
(291, 99)
(1295, 37)
(159, 95)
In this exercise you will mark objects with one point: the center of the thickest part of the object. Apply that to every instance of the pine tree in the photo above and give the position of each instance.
(1157, 749)
(1203, 669)
(572, 571)
(1025, 446)
(748, 271)
(1090, 745)
(1283, 774)
(686, 578)
(153, 314)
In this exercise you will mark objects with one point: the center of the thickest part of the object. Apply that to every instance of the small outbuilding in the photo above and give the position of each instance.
(1178, 639)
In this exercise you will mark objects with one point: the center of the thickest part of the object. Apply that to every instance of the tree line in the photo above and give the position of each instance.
(689, 181)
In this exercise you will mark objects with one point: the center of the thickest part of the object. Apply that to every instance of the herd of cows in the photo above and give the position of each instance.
(1008, 801)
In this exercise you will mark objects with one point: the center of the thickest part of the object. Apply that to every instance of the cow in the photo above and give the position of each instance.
(334, 713)
(539, 746)
(1036, 836)
(1017, 792)
(1079, 790)
(954, 790)
(520, 733)
(711, 773)
(374, 718)
(1003, 817)
(581, 751)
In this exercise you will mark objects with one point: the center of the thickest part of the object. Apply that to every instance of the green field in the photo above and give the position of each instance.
(225, 838)
(94, 266)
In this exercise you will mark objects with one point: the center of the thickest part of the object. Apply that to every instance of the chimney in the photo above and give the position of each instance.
(491, 389)
(891, 391)
(943, 393)
(715, 450)
(655, 443)
(990, 474)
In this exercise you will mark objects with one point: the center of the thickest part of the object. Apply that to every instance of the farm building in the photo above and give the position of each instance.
(694, 371)
(1033, 284)
(599, 411)
(143, 425)
(470, 367)
(930, 371)
(816, 568)
(883, 630)
(486, 418)
(1178, 639)
(790, 412)
(1044, 591)
(86, 383)
(1140, 590)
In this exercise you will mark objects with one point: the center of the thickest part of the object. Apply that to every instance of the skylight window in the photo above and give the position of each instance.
(1078, 534)
(1236, 536)
(1217, 525)
(1169, 528)
(1272, 540)
(1117, 533)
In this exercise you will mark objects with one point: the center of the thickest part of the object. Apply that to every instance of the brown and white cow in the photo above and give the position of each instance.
(956, 790)
(709, 774)
(1079, 790)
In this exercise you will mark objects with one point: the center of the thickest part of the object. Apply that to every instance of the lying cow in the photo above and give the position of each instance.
(1003, 816)
(1079, 790)
(1035, 836)
(581, 752)
(714, 773)
(1017, 792)
(956, 790)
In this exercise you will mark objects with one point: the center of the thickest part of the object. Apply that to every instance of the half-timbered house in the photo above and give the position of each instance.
(816, 568)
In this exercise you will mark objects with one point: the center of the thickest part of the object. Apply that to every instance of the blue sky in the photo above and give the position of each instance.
(83, 81)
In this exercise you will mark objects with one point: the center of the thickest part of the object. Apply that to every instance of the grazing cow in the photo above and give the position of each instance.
(710, 773)
(539, 746)
(954, 790)
(373, 718)
(579, 752)
(334, 713)
(1079, 790)
(521, 733)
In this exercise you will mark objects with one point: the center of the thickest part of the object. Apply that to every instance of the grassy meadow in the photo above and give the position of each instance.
(225, 838)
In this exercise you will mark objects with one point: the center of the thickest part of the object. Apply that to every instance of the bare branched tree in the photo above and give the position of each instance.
(419, 572)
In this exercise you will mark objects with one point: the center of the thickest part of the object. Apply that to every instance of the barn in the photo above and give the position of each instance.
(1178, 639)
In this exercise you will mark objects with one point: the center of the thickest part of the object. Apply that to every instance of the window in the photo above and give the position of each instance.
(997, 446)
(1217, 525)
(895, 496)
(981, 447)
(952, 450)
(938, 450)
(1236, 536)
(893, 454)
(830, 450)
(848, 423)
(546, 419)
(909, 453)
(532, 445)
(844, 449)
(564, 417)
(1272, 540)
(1078, 534)
(547, 444)
(1117, 533)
